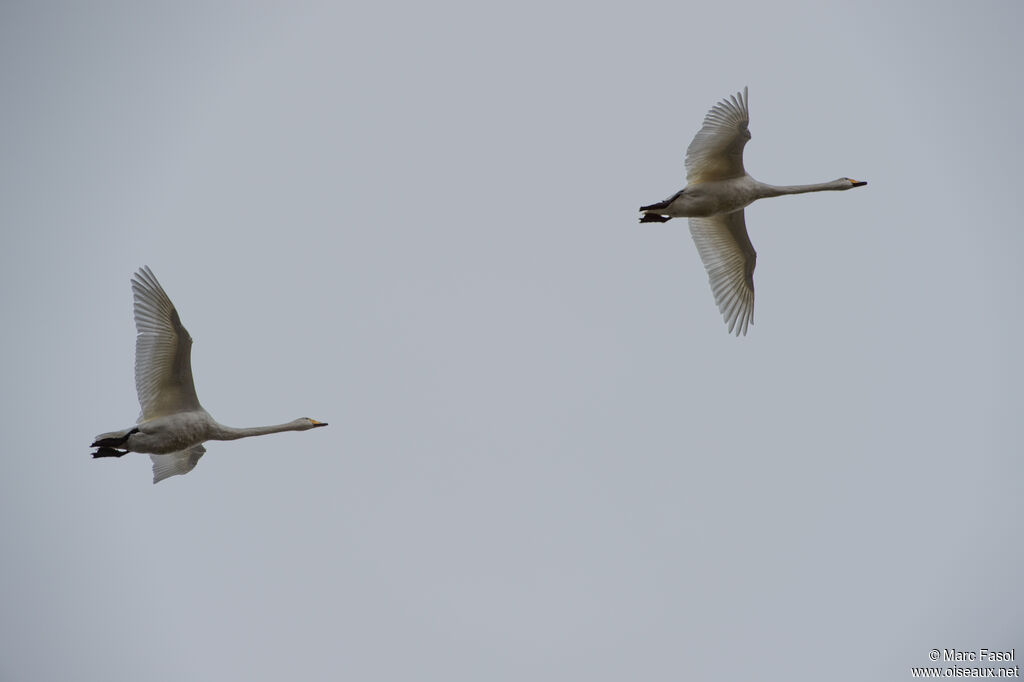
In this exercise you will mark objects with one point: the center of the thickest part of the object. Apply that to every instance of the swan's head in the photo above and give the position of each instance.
(851, 183)
(306, 423)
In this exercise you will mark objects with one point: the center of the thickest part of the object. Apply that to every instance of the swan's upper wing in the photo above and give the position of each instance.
(163, 351)
(176, 463)
(729, 258)
(716, 152)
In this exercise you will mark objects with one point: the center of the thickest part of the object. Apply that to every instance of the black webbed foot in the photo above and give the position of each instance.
(114, 442)
(109, 452)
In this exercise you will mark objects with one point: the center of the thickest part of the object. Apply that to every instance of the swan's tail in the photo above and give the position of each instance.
(114, 438)
(658, 206)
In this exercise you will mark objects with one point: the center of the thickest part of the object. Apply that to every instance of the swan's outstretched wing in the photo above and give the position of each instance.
(716, 152)
(163, 352)
(176, 463)
(729, 258)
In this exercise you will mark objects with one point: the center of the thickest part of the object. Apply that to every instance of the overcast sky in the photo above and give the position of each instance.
(546, 459)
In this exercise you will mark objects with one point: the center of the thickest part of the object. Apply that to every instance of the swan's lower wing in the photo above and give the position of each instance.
(729, 258)
(176, 463)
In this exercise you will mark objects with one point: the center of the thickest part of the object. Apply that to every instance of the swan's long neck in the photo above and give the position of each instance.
(231, 433)
(779, 190)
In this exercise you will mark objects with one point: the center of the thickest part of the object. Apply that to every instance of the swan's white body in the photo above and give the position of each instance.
(173, 425)
(718, 190)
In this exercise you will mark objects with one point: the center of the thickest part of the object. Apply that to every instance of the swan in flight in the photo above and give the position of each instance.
(173, 425)
(717, 191)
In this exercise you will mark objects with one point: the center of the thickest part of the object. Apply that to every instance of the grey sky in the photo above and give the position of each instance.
(547, 459)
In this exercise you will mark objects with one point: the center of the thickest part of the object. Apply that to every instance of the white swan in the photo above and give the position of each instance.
(717, 191)
(173, 425)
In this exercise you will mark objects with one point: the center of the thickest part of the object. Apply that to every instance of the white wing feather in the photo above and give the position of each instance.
(176, 463)
(716, 152)
(163, 352)
(729, 258)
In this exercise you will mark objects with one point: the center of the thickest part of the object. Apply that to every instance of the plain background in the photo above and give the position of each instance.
(546, 459)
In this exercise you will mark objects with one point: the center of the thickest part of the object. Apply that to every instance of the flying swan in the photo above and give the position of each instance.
(717, 191)
(173, 425)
